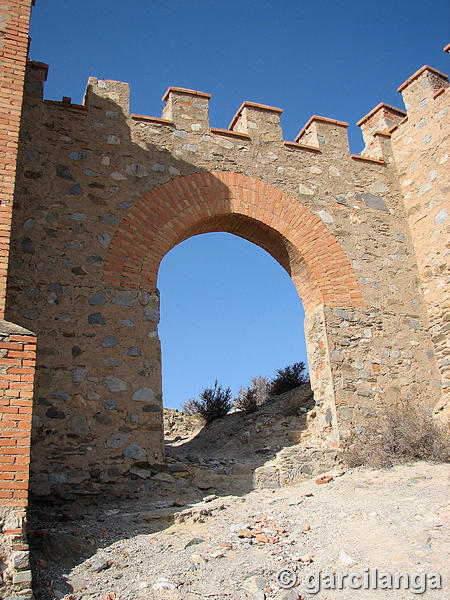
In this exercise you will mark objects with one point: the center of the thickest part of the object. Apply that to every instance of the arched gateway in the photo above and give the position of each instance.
(102, 196)
(92, 198)
(259, 212)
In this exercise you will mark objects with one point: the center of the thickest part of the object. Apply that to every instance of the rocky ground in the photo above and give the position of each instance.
(238, 502)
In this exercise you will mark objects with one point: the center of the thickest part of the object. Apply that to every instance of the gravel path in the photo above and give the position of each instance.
(231, 547)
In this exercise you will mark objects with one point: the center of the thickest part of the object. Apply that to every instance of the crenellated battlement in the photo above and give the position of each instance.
(186, 110)
(418, 91)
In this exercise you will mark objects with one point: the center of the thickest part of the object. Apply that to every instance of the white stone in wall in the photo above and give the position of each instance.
(304, 190)
(326, 217)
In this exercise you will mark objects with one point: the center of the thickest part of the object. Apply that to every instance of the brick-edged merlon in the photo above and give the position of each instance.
(428, 80)
(258, 121)
(187, 108)
(380, 120)
(326, 134)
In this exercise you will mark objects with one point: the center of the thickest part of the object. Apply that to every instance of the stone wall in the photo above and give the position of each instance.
(424, 177)
(418, 143)
(103, 195)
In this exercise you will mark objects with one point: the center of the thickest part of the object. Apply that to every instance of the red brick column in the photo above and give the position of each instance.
(17, 367)
(14, 30)
(17, 345)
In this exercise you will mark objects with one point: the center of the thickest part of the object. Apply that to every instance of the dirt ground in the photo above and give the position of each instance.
(200, 529)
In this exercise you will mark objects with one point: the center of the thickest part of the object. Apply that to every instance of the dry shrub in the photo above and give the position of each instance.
(288, 378)
(251, 398)
(246, 401)
(212, 403)
(261, 386)
(404, 433)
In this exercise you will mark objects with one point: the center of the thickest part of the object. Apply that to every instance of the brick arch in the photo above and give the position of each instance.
(239, 204)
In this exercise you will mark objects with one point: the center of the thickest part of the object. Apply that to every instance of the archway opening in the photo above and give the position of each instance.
(261, 213)
(228, 311)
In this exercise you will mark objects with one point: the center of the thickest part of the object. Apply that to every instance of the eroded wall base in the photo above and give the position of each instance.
(14, 554)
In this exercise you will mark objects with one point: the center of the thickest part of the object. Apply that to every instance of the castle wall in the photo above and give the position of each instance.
(92, 198)
(102, 195)
(418, 143)
(421, 150)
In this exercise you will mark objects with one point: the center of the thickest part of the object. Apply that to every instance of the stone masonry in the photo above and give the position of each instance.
(101, 195)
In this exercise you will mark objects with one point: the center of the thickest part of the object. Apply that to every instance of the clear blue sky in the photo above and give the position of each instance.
(239, 314)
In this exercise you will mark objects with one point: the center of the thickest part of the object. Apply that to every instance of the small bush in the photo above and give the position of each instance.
(402, 434)
(288, 378)
(247, 400)
(261, 384)
(251, 398)
(212, 404)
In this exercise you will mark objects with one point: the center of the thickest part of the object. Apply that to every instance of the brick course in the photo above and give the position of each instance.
(17, 347)
(245, 206)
